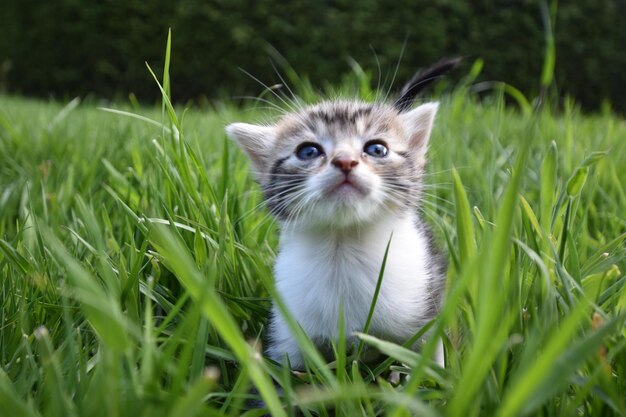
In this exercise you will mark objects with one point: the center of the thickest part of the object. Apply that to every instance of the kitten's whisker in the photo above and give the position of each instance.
(253, 210)
(270, 105)
(426, 195)
(284, 198)
(269, 200)
(267, 216)
(269, 89)
(395, 72)
(283, 184)
(438, 187)
(379, 71)
(291, 198)
(270, 176)
(422, 193)
(302, 208)
(257, 108)
(279, 193)
(449, 170)
(294, 97)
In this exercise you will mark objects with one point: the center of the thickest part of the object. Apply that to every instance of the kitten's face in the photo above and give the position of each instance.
(339, 163)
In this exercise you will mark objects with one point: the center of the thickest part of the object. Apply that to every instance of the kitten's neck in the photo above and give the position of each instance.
(379, 229)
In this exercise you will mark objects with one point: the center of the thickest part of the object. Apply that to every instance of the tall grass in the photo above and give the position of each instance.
(136, 259)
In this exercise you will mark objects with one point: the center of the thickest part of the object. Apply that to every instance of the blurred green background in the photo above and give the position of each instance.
(65, 48)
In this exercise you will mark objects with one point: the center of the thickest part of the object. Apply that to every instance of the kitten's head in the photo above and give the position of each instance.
(339, 163)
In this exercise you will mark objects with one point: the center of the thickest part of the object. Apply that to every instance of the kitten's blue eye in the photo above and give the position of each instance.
(308, 151)
(376, 149)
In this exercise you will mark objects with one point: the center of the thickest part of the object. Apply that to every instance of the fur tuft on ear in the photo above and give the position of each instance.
(418, 124)
(255, 140)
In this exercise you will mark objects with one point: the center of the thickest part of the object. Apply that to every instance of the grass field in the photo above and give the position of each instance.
(136, 259)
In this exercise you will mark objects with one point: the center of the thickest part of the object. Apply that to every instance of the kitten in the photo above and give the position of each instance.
(343, 178)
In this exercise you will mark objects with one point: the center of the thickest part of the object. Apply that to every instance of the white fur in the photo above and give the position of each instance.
(316, 272)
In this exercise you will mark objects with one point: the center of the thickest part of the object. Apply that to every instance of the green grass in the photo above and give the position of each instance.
(136, 261)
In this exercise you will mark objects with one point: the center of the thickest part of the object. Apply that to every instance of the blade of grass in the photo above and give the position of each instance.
(215, 311)
(379, 282)
(192, 403)
(464, 225)
(548, 181)
(535, 383)
(492, 319)
(101, 309)
(10, 401)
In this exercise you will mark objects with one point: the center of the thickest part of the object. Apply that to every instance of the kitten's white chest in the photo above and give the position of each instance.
(316, 274)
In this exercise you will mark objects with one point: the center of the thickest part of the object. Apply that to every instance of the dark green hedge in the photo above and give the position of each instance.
(70, 47)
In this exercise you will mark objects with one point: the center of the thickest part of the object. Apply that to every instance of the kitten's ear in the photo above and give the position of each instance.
(418, 124)
(255, 140)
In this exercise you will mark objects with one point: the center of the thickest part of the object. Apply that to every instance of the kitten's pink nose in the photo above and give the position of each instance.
(344, 163)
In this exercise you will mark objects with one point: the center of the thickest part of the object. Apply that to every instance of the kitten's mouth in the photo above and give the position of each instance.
(347, 185)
